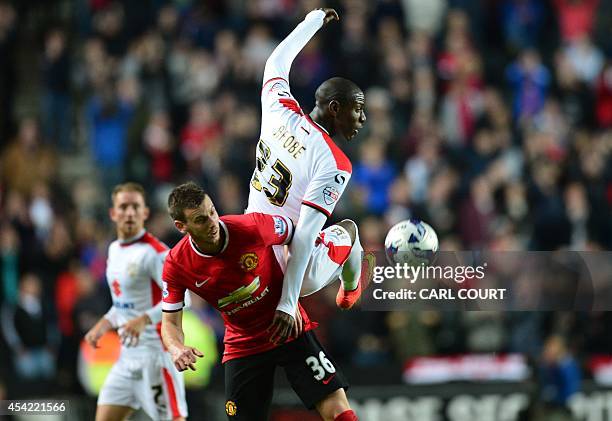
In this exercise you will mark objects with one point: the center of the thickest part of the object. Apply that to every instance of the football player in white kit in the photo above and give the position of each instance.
(144, 376)
(301, 173)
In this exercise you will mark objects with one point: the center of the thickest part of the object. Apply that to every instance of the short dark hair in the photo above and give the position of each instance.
(186, 196)
(128, 186)
(337, 89)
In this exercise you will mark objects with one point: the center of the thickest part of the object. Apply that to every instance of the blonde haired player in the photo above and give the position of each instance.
(144, 376)
(301, 173)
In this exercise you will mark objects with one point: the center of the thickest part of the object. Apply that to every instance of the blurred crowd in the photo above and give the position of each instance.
(490, 120)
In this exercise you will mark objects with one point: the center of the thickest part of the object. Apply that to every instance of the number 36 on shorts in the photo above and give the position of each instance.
(320, 366)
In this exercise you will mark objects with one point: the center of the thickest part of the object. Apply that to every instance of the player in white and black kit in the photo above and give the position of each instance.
(144, 376)
(301, 173)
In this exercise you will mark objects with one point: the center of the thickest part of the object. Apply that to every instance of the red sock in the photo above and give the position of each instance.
(347, 415)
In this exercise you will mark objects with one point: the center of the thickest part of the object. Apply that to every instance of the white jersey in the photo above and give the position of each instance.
(133, 273)
(297, 161)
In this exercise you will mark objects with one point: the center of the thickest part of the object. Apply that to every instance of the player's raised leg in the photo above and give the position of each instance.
(350, 285)
(337, 254)
(332, 248)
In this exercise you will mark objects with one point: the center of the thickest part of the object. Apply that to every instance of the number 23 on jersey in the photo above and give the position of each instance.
(278, 176)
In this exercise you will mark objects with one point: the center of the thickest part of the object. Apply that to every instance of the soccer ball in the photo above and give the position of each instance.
(411, 242)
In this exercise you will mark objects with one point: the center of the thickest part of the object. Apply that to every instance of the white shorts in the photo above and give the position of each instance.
(332, 249)
(149, 381)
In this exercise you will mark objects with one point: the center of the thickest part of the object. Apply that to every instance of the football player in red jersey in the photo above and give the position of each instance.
(229, 262)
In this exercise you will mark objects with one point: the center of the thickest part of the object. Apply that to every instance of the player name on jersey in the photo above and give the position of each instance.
(289, 142)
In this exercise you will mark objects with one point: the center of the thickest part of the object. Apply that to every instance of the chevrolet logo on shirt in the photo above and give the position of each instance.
(241, 294)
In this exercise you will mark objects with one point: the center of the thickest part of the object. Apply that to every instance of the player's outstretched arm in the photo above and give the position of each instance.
(182, 356)
(309, 225)
(279, 62)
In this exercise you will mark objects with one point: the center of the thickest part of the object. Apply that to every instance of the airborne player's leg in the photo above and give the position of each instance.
(337, 254)
(350, 285)
(352, 267)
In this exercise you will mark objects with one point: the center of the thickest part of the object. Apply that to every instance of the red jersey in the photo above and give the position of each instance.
(243, 282)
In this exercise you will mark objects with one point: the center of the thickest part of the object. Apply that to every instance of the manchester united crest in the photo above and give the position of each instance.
(230, 408)
(248, 261)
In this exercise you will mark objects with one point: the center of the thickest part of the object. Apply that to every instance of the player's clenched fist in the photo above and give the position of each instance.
(330, 14)
(184, 357)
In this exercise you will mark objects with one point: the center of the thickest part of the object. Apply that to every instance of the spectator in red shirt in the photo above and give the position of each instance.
(603, 100)
(575, 17)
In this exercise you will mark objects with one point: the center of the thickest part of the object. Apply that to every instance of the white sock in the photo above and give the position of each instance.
(351, 271)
